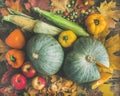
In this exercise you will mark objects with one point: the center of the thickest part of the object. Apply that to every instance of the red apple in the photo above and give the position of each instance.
(38, 83)
(28, 69)
(18, 81)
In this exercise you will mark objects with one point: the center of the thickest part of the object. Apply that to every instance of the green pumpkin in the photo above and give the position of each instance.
(45, 53)
(80, 64)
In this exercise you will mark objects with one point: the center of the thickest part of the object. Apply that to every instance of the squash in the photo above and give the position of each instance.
(82, 60)
(95, 23)
(45, 53)
(67, 38)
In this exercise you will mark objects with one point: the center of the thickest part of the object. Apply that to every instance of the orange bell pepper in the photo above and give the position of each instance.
(16, 39)
(15, 58)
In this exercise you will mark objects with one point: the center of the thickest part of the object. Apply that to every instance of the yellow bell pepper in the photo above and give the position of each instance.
(67, 38)
(95, 23)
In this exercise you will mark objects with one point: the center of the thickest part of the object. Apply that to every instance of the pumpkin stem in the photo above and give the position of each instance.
(35, 55)
(12, 58)
(96, 21)
(89, 58)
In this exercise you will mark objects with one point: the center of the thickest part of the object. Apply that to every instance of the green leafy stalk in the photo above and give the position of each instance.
(21, 21)
(28, 23)
(13, 12)
(61, 22)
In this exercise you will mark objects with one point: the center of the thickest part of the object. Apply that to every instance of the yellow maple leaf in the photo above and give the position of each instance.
(102, 35)
(14, 4)
(105, 70)
(111, 15)
(113, 45)
(104, 78)
(59, 5)
(105, 89)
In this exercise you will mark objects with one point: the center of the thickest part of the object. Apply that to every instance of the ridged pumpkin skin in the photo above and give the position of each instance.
(80, 64)
(45, 53)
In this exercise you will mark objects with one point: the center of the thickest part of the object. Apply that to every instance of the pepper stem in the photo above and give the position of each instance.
(65, 38)
(96, 21)
(12, 58)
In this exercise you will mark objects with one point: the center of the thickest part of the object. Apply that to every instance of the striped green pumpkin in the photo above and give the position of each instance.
(80, 64)
(45, 53)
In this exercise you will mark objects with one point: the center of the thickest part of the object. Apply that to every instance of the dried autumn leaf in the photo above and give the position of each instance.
(113, 45)
(3, 50)
(14, 4)
(104, 78)
(53, 78)
(116, 74)
(59, 5)
(82, 7)
(42, 4)
(32, 91)
(58, 86)
(3, 12)
(5, 80)
(8, 91)
(3, 69)
(102, 35)
(109, 12)
(95, 92)
(105, 70)
(106, 90)
(84, 4)
(68, 83)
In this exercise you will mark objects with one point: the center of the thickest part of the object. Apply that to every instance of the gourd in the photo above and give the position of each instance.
(95, 23)
(67, 38)
(80, 64)
(45, 53)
